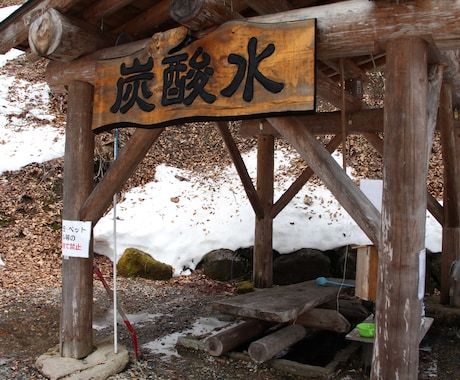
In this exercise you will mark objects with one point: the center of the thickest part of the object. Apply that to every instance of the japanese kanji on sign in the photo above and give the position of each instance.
(76, 236)
(242, 68)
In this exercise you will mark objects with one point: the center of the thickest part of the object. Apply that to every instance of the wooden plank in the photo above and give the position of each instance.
(366, 272)
(103, 8)
(344, 189)
(401, 278)
(354, 334)
(119, 172)
(324, 319)
(77, 273)
(263, 237)
(229, 73)
(278, 304)
(269, 6)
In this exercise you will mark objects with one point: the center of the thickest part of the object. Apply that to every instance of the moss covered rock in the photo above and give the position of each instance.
(135, 263)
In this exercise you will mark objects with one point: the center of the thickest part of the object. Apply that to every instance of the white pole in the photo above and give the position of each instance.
(115, 301)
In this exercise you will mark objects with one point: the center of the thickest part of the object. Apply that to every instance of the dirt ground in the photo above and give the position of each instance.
(29, 326)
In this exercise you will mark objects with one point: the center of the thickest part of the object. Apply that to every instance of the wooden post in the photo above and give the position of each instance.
(401, 278)
(263, 239)
(451, 228)
(77, 273)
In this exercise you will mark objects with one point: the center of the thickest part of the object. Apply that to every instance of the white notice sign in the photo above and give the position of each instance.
(76, 236)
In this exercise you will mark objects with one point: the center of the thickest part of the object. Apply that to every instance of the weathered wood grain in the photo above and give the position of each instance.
(278, 304)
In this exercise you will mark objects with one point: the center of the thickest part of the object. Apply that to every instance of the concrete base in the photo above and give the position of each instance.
(99, 365)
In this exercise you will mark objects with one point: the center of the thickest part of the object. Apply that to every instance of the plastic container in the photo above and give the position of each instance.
(366, 330)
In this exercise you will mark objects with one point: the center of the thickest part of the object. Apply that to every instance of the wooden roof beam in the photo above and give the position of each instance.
(323, 123)
(355, 27)
(60, 38)
(103, 8)
(199, 15)
(269, 6)
(15, 32)
(152, 18)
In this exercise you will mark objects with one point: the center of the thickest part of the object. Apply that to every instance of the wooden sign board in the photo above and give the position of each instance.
(242, 68)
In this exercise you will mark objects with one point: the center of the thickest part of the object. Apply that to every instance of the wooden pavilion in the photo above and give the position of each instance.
(96, 47)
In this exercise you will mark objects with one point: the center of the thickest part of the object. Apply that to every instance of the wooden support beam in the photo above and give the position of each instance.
(198, 15)
(328, 90)
(324, 319)
(451, 230)
(323, 123)
(263, 237)
(234, 337)
(267, 347)
(347, 193)
(57, 37)
(77, 273)
(119, 172)
(295, 187)
(246, 180)
(401, 278)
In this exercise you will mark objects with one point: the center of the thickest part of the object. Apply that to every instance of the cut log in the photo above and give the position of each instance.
(201, 14)
(236, 336)
(60, 38)
(324, 319)
(267, 347)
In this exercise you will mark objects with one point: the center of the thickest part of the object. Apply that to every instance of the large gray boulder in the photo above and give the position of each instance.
(225, 265)
(302, 265)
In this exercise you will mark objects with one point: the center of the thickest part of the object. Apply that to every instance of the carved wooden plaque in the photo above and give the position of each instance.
(241, 69)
